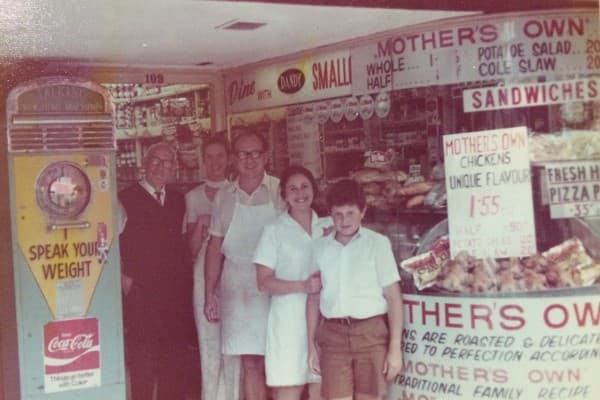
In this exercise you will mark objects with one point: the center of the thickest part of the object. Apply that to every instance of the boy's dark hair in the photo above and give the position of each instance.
(220, 140)
(346, 192)
(297, 170)
(263, 141)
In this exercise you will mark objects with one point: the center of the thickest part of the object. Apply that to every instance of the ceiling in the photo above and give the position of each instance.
(191, 32)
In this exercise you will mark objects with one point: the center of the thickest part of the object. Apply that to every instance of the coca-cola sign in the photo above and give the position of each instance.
(71, 345)
(291, 81)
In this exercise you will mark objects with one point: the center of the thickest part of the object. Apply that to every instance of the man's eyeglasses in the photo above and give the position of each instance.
(155, 162)
(254, 154)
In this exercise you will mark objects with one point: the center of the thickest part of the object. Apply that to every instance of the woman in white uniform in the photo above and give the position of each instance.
(220, 375)
(282, 260)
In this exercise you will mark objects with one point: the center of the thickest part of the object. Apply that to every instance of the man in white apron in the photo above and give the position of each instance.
(241, 210)
(220, 375)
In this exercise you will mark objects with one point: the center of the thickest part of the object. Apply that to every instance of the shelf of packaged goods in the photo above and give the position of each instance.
(341, 151)
(344, 132)
(402, 122)
(156, 130)
(171, 91)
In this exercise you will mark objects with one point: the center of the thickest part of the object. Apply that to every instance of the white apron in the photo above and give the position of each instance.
(244, 310)
(220, 373)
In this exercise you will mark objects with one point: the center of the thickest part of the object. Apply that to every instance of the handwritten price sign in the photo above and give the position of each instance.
(490, 210)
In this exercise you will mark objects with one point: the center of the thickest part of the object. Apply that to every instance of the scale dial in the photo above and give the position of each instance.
(63, 190)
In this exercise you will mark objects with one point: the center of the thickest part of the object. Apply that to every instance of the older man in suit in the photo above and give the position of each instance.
(155, 276)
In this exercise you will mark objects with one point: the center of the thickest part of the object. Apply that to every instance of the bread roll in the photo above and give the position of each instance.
(416, 188)
(399, 176)
(372, 188)
(392, 189)
(415, 201)
(367, 175)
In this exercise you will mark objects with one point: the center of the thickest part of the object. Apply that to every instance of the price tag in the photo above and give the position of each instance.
(573, 189)
(414, 170)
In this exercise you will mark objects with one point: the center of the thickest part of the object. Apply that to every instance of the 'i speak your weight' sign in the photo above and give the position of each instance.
(490, 209)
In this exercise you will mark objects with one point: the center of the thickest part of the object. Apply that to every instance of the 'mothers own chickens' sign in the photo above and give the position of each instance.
(490, 208)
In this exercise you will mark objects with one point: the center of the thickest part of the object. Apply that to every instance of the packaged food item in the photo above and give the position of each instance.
(568, 254)
(566, 265)
(424, 268)
(588, 274)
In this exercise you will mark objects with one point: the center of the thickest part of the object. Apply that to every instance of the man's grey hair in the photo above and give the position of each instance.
(161, 145)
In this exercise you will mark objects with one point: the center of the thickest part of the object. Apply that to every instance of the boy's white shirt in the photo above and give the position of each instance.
(354, 275)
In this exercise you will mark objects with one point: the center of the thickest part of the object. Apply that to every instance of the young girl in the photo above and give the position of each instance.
(282, 259)
(220, 378)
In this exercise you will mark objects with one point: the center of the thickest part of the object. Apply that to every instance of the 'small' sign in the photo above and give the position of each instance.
(303, 80)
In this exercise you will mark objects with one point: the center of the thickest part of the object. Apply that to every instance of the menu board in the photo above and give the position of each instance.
(303, 142)
(573, 188)
(488, 181)
(518, 348)
(489, 48)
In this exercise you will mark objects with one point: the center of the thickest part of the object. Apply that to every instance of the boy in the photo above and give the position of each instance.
(359, 337)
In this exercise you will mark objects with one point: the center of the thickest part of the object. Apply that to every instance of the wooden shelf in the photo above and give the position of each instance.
(170, 91)
(387, 123)
(362, 150)
(345, 132)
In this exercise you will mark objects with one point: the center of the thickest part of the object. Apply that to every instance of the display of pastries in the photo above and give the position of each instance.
(566, 265)
(568, 145)
(391, 190)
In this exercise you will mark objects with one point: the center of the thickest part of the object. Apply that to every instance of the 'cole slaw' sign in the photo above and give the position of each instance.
(500, 348)
(490, 208)
(71, 355)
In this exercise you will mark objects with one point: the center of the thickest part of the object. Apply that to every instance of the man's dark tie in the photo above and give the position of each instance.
(158, 196)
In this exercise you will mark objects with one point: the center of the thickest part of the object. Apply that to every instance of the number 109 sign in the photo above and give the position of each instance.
(488, 181)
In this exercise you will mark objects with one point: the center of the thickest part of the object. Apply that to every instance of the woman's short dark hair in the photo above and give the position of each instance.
(220, 140)
(263, 141)
(296, 170)
(346, 192)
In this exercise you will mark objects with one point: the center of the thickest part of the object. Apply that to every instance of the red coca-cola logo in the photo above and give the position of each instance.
(291, 81)
(79, 342)
(71, 345)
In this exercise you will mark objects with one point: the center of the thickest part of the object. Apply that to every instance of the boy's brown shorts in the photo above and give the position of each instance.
(352, 356)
